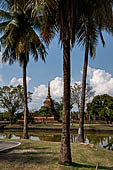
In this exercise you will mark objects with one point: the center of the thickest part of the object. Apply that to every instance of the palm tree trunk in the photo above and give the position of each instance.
(25, 130)
(81, 121)
(65, 151)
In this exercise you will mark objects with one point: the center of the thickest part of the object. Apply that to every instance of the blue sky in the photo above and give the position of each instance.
(99, 75)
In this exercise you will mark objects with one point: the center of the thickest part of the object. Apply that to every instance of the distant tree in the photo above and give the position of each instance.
(58, 108)
(102, 107)
(12, 100)
(88, 111)
(45, 111)
(76, 95)
(76, 92)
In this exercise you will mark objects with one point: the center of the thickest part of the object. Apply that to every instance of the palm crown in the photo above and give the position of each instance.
(18, 36)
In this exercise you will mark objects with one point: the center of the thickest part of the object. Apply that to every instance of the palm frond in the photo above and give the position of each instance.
(19, 38)
(39, 47)
(43, 14)
(102, 38)
(8, 55)
(3, 26)
(92, 50)
(4, 15)
(34, 51)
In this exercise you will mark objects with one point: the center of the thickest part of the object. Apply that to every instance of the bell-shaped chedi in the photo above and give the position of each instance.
(48, 101)
(50, 104)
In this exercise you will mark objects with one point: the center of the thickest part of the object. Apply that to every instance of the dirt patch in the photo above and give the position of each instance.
(86, 144)
(23, 151)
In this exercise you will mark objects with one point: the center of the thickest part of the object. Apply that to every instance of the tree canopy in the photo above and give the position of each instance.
(102, 107)
(12, 100)
(76, 91)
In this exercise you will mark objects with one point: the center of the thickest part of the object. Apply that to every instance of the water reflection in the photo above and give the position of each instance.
(97, 139)
(101, 140)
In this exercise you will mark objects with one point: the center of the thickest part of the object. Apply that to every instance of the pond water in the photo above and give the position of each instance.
(98, 139)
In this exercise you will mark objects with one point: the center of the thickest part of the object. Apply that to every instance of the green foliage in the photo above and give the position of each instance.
(12, 101)
(45, 111)
(58, 108)
(18, 38)
(102, 106)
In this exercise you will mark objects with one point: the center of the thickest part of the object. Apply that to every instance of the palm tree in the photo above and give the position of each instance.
(67, 13)
(93, 20)
(19, 40)
(64, 22)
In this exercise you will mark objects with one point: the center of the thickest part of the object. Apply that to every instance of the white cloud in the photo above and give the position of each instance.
(40, 92)
(57, 87)
(101, 81)
(14, 81)
(38, 97)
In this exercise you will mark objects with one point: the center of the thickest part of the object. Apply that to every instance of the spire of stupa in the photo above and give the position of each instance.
(49, 89)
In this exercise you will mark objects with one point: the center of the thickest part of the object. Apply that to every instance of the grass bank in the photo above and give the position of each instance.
(33, 155)
(57, 126)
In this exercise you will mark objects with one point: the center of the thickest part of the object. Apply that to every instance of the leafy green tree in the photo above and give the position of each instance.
(12, 100)
(102, 107)
(19, 39)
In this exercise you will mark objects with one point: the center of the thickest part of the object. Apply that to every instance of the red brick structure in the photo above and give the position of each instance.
(49, 103)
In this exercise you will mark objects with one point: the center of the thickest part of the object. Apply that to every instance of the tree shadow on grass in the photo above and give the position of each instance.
(27, 157)
(41, 148)
(77, 165)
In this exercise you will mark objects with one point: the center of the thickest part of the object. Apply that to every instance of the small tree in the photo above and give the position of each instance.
(76, 92)
(12, 100)
(58, 108)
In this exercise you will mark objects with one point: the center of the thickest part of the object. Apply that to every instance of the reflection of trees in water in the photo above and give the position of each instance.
(103, 141)
(110, 143)
(96, 140)
(53, 138)
(90, 139)
(8, 136)
(73, 138)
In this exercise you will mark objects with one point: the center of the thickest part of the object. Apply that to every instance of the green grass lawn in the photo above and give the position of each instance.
(33, 155)
(59, 126)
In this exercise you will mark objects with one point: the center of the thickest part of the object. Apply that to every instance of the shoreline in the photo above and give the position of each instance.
(59, 130)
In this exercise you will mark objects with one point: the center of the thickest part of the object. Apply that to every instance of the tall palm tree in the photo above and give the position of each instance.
(19, 40)
(93, 20)
(66, 13)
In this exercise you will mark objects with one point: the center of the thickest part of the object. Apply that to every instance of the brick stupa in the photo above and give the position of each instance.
(49, 103)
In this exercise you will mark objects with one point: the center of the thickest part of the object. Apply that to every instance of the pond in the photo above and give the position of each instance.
(98, 139)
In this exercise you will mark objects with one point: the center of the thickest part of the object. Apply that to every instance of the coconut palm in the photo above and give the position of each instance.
(19, 40)
(66, 13)
(93, 20)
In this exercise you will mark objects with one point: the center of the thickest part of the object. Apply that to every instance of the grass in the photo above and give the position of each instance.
(33, 155)
(59, 126)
